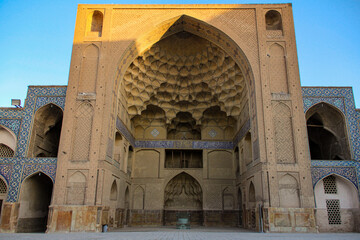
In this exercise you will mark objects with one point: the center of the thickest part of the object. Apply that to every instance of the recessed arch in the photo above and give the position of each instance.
(183, 192)
(334, 201)
(327, 133)
(45, 134)
(177, 26)
(252, 196)
(113, 191)
(35, 198)
(273, 20)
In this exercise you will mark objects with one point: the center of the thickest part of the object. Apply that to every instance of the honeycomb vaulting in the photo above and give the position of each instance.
(184, 73)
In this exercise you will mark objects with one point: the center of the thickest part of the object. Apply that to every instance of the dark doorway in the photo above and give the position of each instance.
(35, 198)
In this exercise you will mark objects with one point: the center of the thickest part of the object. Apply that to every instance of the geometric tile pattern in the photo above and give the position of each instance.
(12, 124)
(155, 132)
(212, 133)
(19, 120)
(343, 99)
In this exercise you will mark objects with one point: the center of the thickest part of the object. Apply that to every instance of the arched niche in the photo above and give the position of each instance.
(46, 129)
(113, 191)
(247, 149)
(289, 192)
(35, 198)
(252, 198)
(7, 142)
(328, 137)
(118, 147)
(273, 20)
(228, 199)
(337, 202)
(130, 159)
(76, 188)
(183, 192)
(139, 198)
(94, 23)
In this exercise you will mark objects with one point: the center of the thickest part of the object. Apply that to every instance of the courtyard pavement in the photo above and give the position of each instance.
(174, 234)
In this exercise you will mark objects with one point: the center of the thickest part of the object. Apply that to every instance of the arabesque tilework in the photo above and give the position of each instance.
(19, 120)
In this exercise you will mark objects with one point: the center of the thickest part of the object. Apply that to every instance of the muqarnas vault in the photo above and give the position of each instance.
(181, 109)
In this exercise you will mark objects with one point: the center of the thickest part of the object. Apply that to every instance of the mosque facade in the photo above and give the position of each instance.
(191, 111)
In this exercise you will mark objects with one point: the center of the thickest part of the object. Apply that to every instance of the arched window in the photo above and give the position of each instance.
(7, 142)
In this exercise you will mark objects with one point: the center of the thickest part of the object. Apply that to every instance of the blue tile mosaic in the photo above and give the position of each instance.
(19, 120)
(12, 124)
(124, 131)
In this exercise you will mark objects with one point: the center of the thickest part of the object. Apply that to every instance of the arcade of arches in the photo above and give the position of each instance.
(182, 111)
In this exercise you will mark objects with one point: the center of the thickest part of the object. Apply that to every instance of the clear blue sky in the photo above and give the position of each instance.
(36, 42)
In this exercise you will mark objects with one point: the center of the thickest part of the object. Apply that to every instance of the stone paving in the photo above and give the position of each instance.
(173, 234)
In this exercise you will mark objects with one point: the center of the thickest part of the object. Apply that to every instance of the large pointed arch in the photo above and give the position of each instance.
(45, 135)
(203, 30)
(183, 192)
(327, 133)
(194, 26)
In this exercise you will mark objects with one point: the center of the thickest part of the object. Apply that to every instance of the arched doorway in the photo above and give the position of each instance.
(35, 198)
(183, 194)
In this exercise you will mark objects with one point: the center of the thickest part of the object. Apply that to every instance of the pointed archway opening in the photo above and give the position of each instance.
(183, 198)
(45, 136)
(35, 198)
(328, 138)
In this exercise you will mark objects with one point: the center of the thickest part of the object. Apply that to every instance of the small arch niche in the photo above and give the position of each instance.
(113, 191)
(95, 24)
(273, 20)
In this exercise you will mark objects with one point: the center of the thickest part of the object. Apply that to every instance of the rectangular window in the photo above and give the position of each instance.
(333, 210)
(183, 158)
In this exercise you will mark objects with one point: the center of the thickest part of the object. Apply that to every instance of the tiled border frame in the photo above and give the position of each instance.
(20, 121)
